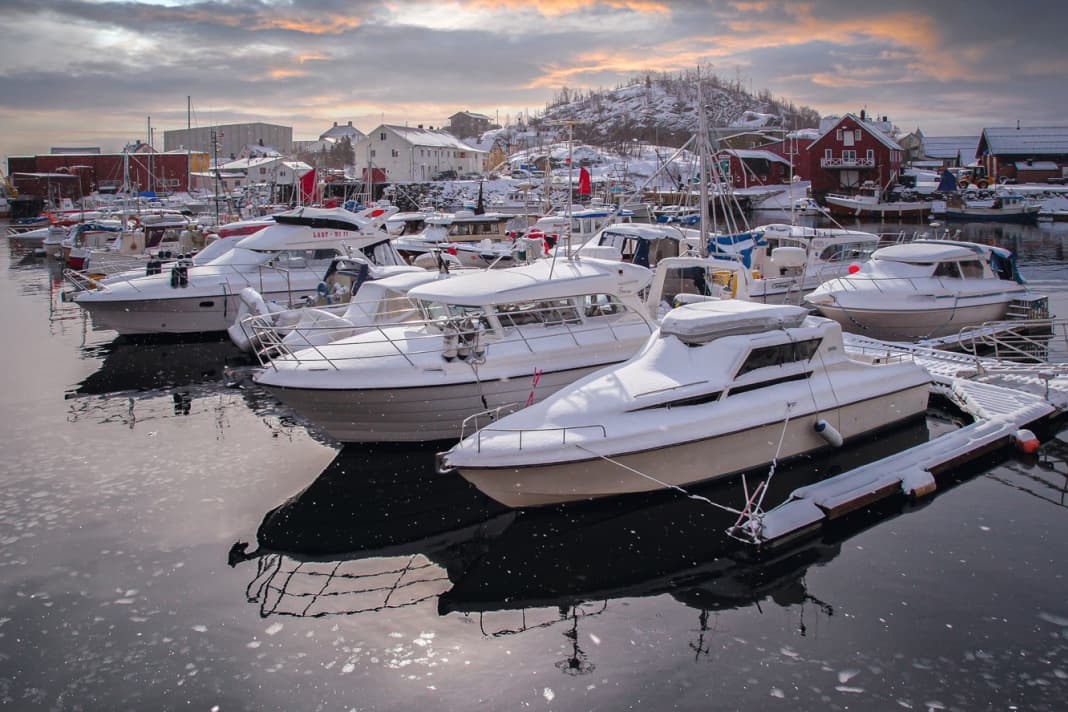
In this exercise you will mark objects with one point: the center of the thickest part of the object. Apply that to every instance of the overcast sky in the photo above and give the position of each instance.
(90, 72)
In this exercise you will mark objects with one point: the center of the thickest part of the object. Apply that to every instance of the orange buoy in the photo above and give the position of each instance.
(1025, 441)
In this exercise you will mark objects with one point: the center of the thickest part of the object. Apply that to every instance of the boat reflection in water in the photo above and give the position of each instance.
(380, 529)
(153, 364)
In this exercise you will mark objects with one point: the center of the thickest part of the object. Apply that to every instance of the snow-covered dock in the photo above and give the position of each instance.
(1024, 396)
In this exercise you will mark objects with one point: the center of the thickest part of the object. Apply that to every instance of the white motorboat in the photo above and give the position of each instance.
(455, 232)
(786, 261)
(922, 289)
(283, 262)
(490, 339)
(869, 202)
(722, 387)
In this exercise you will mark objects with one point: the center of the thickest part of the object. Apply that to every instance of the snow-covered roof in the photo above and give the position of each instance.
(471, 114)
(429, 138)
(868, 126)
(1037, 166)
(1033, 140)
(757, 153)
(950, 147)
(242, 164)
(336, 132)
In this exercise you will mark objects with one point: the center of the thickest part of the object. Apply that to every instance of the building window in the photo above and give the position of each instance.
(871, 155)
(856, 134)
(382, 136)
(827, 153)
(396, 153)
(849, 156)
(372, 153)
(838, 134)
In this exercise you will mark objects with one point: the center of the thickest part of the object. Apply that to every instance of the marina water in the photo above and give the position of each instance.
(173, 538)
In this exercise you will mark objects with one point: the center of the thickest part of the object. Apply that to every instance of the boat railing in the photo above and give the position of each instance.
(520, 432)
(493, 414)
(283, 333)
(1017, 340)
(475, 337)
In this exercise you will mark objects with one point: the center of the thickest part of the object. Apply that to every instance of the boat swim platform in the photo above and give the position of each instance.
(1024, 396)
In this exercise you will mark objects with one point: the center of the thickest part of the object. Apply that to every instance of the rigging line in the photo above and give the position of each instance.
(775, 460)
(663, 484)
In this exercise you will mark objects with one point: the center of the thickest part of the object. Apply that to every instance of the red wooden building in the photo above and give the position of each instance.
(850, 153)
(160, 172)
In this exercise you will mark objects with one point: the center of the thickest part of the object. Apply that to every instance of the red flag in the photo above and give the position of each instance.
(584, 182)
(307, 187)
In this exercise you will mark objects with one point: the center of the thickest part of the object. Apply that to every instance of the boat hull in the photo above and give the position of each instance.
(912, 324)
(687, 463)
(417, 414)
(993, 215)
(180, 315)
(849, 208)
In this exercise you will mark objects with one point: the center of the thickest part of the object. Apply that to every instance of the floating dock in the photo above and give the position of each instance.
(1024, 395)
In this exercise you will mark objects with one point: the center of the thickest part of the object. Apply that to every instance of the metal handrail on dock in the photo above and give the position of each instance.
(1001, 413)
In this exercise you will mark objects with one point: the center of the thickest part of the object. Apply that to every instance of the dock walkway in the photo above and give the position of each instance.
(1002, 397)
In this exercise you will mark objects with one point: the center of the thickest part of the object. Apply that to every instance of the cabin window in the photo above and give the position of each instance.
(771, 382)
(692, 400)
(971, 269)
(548, 312)
(947, 269)
(690, 280)
(846, 252)
(595, 305)
(436, 311)
(779, 355)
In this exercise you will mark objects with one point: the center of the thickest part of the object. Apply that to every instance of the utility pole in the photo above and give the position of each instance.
(215, 167)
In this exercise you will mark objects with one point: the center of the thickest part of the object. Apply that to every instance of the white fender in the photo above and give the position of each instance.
(251, 304)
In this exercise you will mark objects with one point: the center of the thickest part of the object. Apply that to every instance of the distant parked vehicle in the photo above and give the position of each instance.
(444, 175)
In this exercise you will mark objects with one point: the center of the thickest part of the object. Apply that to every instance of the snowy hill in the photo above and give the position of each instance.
(663, 109)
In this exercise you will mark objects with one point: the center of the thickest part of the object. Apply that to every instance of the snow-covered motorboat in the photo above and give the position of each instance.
(489, 339)
(721, 388)
(922, 289)
(283, 262)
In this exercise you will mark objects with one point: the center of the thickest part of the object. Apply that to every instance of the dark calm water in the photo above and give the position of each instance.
(169, 542)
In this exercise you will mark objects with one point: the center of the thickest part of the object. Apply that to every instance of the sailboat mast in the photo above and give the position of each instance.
(702, 154)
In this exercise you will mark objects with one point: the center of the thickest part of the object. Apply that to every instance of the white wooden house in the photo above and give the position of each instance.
(416, 154)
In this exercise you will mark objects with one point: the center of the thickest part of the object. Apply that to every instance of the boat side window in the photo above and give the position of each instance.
(947, 269)
(779, 355)
(687, 280)
(846, 252)
(595, 305)
(548, 312)
(438, 312)
(971, 269)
